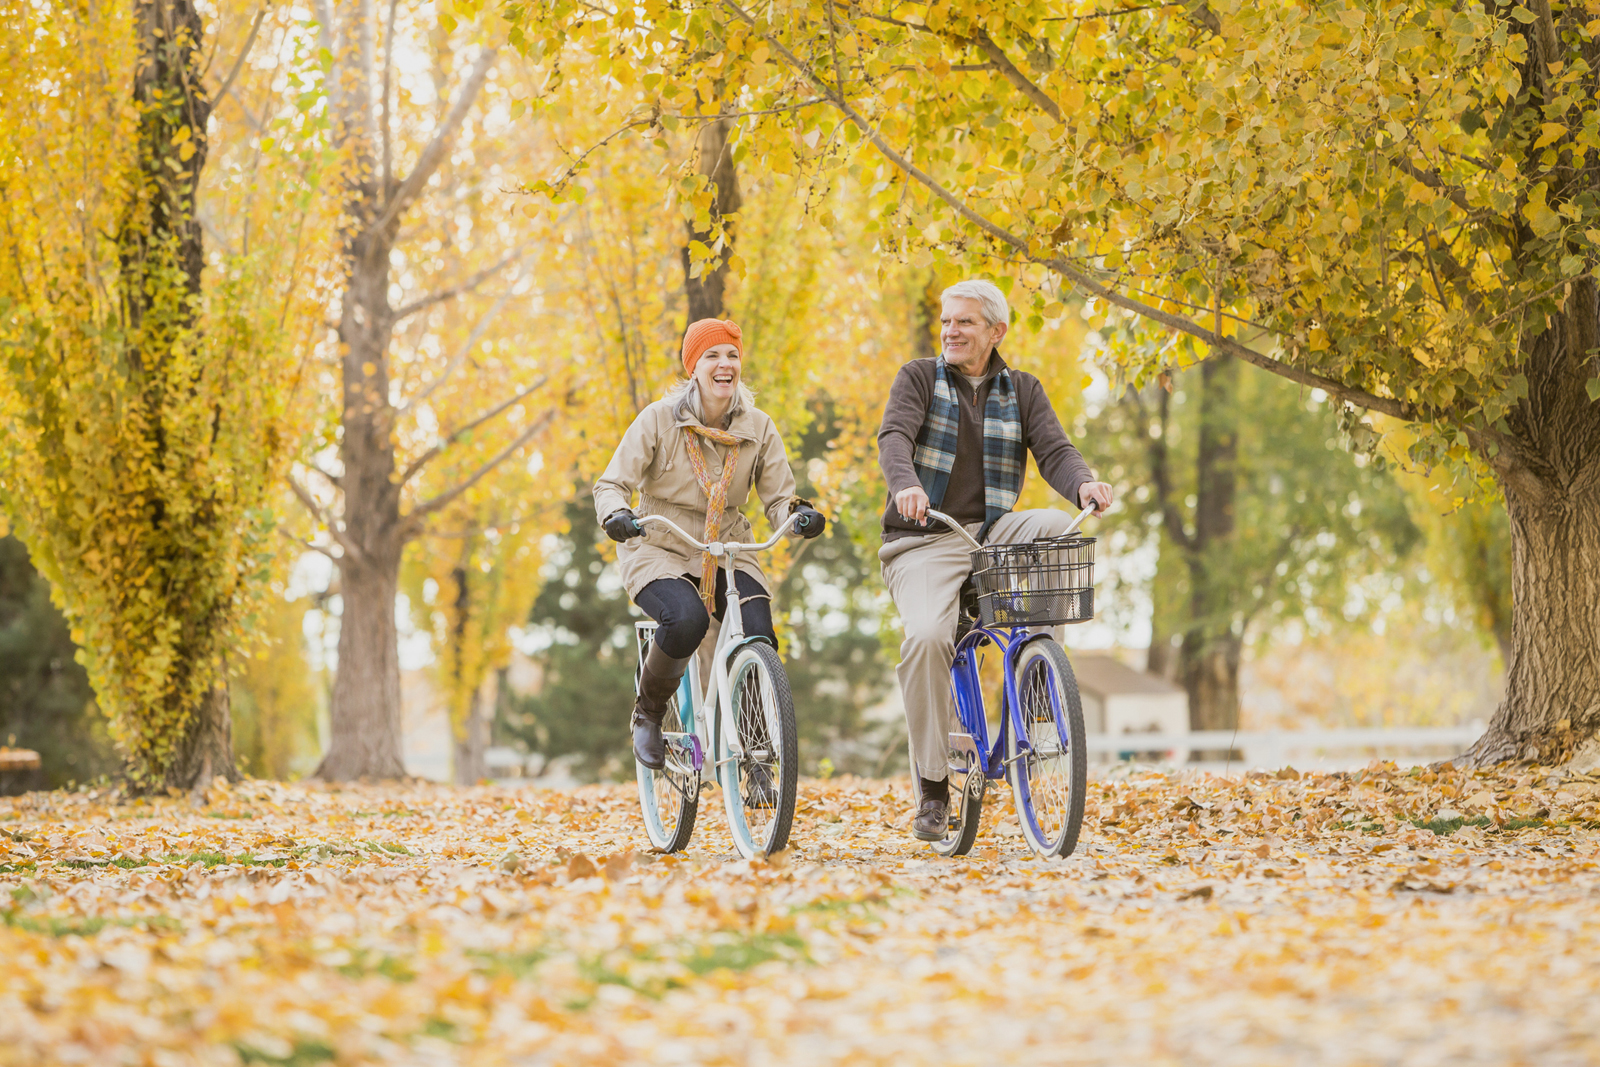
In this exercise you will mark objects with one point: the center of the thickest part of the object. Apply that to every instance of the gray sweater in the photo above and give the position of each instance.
(1061, 465)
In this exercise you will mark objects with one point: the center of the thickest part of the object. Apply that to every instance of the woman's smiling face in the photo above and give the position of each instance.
(717, 373)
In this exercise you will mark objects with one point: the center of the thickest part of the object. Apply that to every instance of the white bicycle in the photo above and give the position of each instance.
(743, 716)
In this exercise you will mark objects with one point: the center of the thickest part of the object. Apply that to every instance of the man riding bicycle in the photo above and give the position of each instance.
(955, 433)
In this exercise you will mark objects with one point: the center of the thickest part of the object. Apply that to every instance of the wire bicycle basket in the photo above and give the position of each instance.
(1037, 583)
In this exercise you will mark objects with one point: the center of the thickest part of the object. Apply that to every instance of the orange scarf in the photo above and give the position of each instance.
(716, 499)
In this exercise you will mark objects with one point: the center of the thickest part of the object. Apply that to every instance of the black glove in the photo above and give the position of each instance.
(622, 525)
(811, 522)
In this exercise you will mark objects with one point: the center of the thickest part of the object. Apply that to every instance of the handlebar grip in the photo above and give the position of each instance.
(638, 530)
(803, 522)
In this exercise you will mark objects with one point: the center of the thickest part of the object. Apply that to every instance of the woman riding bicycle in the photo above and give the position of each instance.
(693, 457)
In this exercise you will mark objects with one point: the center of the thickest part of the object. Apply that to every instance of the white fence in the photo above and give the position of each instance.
(1304, 749)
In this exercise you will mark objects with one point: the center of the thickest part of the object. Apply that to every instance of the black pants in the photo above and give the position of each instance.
(675, 604)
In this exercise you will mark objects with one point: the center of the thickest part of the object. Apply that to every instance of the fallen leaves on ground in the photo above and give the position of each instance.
(1370, 918)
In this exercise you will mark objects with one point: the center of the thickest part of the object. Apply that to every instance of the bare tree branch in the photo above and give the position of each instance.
(480, 328)
(367, 55)
(443, 137)
(422, 511)
(632, 124)
(466, 286)
(244, 53)
(388, 72)
(1160, 469)
(456, 435)
(249, 116)
(997, 55)
(1354, 394)
(328, 43)
(319, 513)
(307, 544)
(1432, 180)
(333, 479)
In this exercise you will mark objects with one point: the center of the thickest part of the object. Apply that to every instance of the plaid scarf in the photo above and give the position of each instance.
(716, 498)
(1002, 444)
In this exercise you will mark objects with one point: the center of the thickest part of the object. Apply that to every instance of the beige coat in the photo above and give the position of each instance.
(653, 461)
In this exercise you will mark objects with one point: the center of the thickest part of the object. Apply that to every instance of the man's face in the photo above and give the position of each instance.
(966, 337)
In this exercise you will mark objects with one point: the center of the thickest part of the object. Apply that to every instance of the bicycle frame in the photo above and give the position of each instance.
(971, 747)
(706, 717)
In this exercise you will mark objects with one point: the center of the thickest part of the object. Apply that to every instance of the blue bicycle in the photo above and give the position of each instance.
(1040, 749)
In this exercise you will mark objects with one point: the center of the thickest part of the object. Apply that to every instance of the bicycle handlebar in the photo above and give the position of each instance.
(717, 548)
(973, 541)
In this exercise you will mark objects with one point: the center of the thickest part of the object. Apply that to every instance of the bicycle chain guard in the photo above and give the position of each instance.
(964, 748)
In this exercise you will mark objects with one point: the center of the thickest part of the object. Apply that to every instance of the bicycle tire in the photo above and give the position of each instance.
(1050, 779)
(761, 715)
(669, 799)
(963, 829)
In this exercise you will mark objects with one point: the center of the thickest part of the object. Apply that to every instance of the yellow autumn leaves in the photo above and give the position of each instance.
(1262, 919)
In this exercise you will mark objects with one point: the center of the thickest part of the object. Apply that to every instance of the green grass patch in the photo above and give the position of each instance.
(742, 954)
(57, 926)
(364, 962)
(839, 907)
(17, 868)
(1446, 827)
(302, 1054)
(127, 863)
(1524, 824)
(185, 859)
(443, 1029)
(230, 815)
(720, 951)
(515, 964)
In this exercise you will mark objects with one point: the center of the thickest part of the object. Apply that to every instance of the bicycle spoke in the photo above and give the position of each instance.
(760, 774)
(668, 797)
(1051, 771)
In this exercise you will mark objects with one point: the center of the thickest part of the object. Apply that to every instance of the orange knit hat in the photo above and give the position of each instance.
(707, 332)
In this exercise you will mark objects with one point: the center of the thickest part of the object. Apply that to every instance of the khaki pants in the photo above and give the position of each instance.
(924, 576)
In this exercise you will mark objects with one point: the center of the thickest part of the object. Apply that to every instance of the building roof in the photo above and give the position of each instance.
(1104, 676)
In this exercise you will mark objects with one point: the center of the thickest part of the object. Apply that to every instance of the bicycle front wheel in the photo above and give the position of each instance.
(1049, 770)
(758, 752)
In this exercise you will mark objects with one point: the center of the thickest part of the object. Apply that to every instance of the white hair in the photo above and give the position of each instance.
(686, 391)
(988, 296)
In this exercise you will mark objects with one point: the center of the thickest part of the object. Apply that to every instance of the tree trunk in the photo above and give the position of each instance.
(1211, 675)
(707, 293)
(207, 751)
(159, 234)
(365, 728)
(1169, 609)
(1549, 469)
(365, 725)
(365, 716)
(472, 742)
(1211, 647)
(926, 310)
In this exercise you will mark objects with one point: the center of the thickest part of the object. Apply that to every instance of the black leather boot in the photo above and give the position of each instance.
(659, 676)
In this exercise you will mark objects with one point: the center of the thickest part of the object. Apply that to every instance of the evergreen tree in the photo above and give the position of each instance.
(586, 622)
(45, 700)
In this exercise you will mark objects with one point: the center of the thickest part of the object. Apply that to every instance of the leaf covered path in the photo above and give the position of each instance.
(1277, 920)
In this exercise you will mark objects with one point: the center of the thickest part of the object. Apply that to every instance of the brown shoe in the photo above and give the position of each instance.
(932, 821)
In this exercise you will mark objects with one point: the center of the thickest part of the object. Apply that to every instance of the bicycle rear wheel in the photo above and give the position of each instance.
(669, 798)
(758, 752)
(1049, 774)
